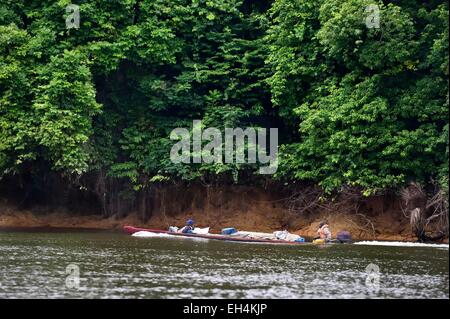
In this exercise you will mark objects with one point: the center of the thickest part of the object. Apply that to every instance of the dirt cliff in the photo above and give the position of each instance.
(244, 207)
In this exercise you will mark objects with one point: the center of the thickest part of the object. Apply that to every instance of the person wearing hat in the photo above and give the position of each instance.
(324, 231)
(190, 225)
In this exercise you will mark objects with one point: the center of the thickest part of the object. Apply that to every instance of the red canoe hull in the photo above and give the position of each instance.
(131, 230)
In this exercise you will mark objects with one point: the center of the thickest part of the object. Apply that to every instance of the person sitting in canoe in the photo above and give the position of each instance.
(190, 225)
(324, 231)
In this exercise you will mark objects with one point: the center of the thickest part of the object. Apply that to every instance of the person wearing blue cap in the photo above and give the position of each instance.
(190, 225)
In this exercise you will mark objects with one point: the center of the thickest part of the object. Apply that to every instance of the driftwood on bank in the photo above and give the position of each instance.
(427, 211)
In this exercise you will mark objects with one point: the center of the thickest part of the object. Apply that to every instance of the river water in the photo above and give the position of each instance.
(114, 265)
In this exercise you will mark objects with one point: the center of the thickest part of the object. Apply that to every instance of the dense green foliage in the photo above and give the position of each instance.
(354, 105)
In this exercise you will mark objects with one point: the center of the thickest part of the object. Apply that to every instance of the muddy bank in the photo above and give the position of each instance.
(27, 219)
(243, 207)
(258, 204)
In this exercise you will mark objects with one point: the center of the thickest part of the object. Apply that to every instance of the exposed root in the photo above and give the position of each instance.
(427, 211)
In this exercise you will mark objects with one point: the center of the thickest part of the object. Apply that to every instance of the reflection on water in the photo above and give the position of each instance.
(114, 265)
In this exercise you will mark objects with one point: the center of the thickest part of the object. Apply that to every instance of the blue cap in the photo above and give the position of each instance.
(190, 222)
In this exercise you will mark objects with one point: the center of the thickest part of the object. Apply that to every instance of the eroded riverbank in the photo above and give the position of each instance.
(29, 220)
(255, 208)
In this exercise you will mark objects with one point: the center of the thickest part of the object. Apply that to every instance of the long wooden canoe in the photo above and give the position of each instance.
(131, 230)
